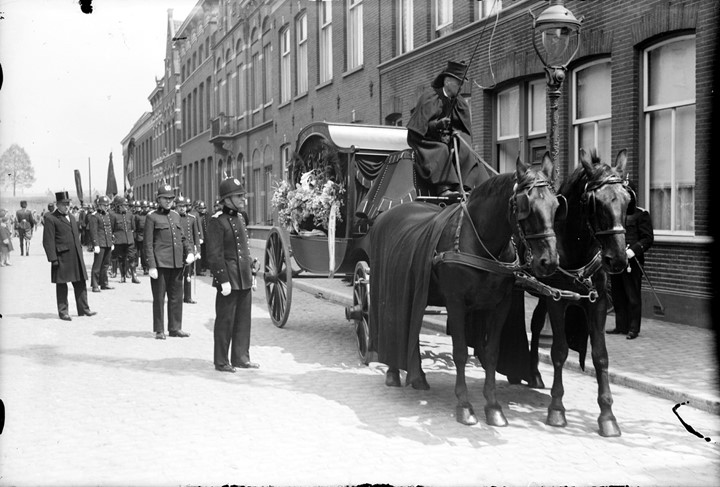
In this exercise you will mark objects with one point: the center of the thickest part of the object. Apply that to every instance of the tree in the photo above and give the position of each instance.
(17, 170)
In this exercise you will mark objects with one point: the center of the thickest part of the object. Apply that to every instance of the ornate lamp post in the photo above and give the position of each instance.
(556, 26)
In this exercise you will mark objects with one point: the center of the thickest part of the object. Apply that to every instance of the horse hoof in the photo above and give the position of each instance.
(392, 378)
(556, 417)
(609, 428)
(536, 382)
(495, 417)
(420, 384)
(513, 380)
(465, 415)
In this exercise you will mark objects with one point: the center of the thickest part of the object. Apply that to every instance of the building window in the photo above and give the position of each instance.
(241, 90)
(201, 107)
(443, 13)
(591, 109)
(267, 188)
(669, 134)
(354, 34)
(301, 72)
(326, 52)
(256, 74)
(232, 85)
(486, 8)
(404, 26)
(285, 82)
(267, 75)
(284, 160)
(521, 124)
(257, 185)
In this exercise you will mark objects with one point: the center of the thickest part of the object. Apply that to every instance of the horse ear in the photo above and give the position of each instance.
(548, 166)
(586, 162)
(520, 169)
(620, 161)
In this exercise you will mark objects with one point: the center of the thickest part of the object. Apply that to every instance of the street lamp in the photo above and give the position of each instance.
(556, 26)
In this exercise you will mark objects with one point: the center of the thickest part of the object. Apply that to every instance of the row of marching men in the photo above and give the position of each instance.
(169, 244)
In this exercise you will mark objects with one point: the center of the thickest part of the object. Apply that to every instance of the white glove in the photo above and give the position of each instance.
(225, 288)
(197, 256)
(153, 273)
(201, 241)
(190, 259)
(112, 247)
(254, 283)
(96, 249)
(630, 253)
(6, 241)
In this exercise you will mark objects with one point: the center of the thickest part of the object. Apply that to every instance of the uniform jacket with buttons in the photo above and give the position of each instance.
(228, 253)
(139, 226)
(165, 243)
(122, 227)
(639, 232)
(202, 224)
(191, 229)
(101, 230)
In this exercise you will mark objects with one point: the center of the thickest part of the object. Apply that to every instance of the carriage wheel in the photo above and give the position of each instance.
(361, 306)
(278, 277)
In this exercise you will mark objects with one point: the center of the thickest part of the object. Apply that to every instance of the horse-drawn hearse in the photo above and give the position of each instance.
(353, 200)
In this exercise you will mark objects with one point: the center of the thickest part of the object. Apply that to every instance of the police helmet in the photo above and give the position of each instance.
(165, 191)
(229, 187)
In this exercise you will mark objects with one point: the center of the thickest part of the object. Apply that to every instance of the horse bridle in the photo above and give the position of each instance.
(520, 208)
(588, 200)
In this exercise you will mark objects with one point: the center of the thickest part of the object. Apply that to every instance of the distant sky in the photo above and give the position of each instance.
(75, 84)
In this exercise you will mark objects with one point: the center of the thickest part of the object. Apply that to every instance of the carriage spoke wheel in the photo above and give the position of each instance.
(361, 305)
(278, 277)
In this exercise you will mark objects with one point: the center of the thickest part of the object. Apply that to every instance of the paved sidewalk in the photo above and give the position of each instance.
(670, 360)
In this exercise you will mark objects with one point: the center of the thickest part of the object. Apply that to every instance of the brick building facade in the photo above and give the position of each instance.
(641, 80)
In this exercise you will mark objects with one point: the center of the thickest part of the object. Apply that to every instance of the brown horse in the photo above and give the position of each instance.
(591, 243)
(462, 258)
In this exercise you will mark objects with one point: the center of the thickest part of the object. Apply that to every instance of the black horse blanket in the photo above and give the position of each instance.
(402, 243)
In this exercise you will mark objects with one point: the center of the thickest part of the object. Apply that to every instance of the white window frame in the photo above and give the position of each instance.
(301, 66)
(647, 111)
(443, 13)
(486, 8)
(595, 120)
(267, 74)
(354, 34)
(326, 50)
(285, 66)
(405, 32)
(530, 106)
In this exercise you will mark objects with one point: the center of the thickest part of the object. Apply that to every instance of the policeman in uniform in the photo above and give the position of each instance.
(24, 225)
(192, 233)
(124, 239)
(231, 265)
(61, 240)
(167, 250)
(199, 211)
(138, 229)
(101, 236)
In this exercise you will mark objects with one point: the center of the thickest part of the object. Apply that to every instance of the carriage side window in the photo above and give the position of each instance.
(354, 37)
(669, 134)
(285, 82)
(404, 25)
(301, 66)
(443, 13)
(591, 109)
(326, 51)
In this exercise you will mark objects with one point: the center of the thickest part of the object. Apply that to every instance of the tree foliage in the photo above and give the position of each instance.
(17, 169)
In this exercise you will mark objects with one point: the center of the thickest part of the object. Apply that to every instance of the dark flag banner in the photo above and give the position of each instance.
(78, 186)
(111, 188)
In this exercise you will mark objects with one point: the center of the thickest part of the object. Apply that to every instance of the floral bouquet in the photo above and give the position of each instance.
(314, 202)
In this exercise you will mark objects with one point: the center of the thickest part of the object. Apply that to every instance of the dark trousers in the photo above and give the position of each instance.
(232, 327)
(203, 257)
(188, 273)
(126, 257)
(101, 262)
(627, 298)
(61, 293)
(140, 254)
(169, 282)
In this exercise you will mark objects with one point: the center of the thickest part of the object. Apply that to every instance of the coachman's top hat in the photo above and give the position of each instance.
(165, 191)
(62, 197)
(229, 187)
(454, 69)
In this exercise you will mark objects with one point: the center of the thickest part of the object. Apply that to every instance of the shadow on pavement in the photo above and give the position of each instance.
(124, 334)
(34, 316)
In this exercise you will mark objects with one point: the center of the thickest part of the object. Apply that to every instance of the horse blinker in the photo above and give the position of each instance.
(562, 210)
(522, 206)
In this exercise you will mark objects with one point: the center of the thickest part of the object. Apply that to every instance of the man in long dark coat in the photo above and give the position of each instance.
(61, 240)
(440, 114)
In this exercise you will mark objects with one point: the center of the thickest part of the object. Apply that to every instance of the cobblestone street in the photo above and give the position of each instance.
(99, 401)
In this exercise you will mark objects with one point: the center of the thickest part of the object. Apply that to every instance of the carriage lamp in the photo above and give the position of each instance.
(556, 26)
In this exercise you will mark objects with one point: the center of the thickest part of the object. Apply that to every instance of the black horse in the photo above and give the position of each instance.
(591, 243)
(462, 258)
